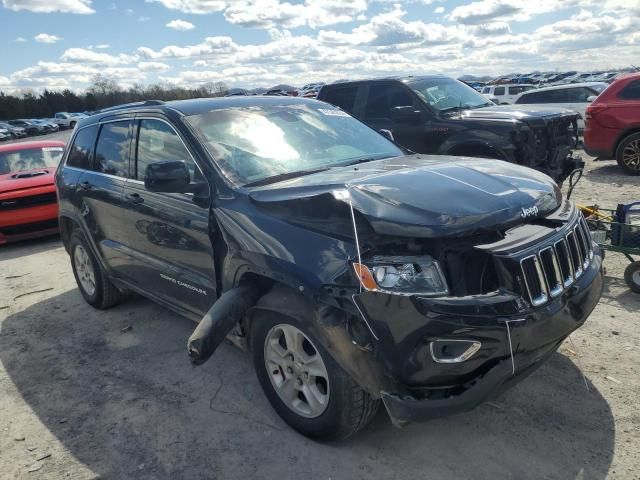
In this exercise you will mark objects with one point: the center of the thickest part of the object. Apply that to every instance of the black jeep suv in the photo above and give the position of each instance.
(440, 115)
(354, 274)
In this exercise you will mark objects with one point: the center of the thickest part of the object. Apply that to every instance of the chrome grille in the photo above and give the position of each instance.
(555, 267)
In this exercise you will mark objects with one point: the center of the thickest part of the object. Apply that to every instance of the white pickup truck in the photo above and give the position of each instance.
(65, 120)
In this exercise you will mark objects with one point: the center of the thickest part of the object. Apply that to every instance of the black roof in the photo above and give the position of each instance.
(404, 79)
(196, 106)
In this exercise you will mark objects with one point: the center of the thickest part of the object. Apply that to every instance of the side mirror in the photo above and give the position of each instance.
(591, 98)
(387, 133)
(168, 176)
(405, 114)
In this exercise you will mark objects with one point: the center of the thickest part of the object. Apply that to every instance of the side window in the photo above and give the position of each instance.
(158, 141)
(382, 98)
(499, 91)
(579, 94)
(516, 90)
(344, 97)
(486, 90)
(631, 91)
(112, 149)
(81, 151)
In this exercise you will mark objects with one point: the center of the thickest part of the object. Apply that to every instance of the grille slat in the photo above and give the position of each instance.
(553, 268)
(25, 202)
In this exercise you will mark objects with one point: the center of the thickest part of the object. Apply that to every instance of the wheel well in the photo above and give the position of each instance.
(475, 150)
(67, 226)
(623, 138)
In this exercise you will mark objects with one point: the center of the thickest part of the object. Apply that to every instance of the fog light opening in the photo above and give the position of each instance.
(453, 351)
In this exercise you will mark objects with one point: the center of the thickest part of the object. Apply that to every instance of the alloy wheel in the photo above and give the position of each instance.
(631, 155)
(296, 370)
(84, 269)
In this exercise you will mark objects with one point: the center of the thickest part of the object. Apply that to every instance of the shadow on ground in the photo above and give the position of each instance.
(10, 251)
(135, 408)
(611, 173)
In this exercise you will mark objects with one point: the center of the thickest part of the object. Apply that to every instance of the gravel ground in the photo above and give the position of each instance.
(111, 394)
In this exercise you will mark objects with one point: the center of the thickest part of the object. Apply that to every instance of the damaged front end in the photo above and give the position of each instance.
(489, 314)
(547, 143)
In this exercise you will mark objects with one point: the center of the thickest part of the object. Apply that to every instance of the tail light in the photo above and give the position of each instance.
(592, 111)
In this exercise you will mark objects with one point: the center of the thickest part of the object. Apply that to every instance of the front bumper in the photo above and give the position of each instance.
(426, 389)
(25, 223)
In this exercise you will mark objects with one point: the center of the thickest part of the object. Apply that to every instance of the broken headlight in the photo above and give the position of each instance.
(403, 275)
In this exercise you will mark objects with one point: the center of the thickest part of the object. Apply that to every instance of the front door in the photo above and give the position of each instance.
(168, 233)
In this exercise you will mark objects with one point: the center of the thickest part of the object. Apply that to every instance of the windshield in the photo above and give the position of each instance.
(448, 94)
(255, 143)
(29, 159)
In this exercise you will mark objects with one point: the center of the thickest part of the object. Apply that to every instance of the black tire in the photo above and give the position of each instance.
(349, 407)
(632, 276)
(105, 294)
(629, 165)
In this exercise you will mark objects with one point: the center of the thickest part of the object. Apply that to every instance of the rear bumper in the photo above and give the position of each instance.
(426, 389)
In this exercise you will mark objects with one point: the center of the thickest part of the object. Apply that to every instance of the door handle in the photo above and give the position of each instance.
(134, 198)
(84, 185)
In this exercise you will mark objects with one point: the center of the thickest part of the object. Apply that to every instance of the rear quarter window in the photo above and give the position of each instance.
(499, 91)
(343, 97)
(81, 151)
(631, 91)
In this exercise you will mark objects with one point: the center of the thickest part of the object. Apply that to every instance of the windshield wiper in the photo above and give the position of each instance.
(356, 161)
(280, 177)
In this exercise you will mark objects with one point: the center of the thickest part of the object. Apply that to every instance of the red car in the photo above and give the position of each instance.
(612, 124)
(28, 203)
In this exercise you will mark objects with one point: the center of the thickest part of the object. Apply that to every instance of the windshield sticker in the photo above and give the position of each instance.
(52, 149)
(333, 112)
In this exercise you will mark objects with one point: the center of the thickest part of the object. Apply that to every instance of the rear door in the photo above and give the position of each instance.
(167, 234)
(99, 192)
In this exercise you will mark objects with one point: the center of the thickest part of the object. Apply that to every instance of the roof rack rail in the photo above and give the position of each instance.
(146, 103)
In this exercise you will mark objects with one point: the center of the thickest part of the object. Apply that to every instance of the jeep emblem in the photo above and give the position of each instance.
(529, 212)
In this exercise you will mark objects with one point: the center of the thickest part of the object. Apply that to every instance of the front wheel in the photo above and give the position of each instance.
(304, 384)
(628, 154)
(632, 276)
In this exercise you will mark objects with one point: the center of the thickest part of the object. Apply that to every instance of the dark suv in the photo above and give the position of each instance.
(354, 273)
(440, 115)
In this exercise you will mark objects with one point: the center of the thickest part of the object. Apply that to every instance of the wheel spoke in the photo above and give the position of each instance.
(297, 373)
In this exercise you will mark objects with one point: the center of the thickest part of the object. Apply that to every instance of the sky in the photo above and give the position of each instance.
(58, 44)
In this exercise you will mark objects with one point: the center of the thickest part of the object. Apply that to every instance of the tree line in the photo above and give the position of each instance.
(102, 93)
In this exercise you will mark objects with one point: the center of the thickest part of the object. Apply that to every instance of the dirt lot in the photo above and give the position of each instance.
(111, 394)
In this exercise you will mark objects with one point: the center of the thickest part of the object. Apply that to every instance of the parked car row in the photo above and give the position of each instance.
(23, 127)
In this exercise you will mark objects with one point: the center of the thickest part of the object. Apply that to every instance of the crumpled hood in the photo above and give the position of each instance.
(429, 196)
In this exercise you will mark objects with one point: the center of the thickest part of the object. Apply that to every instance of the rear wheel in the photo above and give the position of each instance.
(93, 283)
(628, 154)
(632, 276)
(304, 384)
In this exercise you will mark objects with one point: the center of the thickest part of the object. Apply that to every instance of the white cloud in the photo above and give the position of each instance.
(153, 66)
(181, 25)
(278, 14)
(82, 55)
(46, 38)
(438, 10)
(487, 11)
(193, 6)
(103, 46)
(48, 6)
(211, 45)
(20, 40)
(143, 19)
(389, 30)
